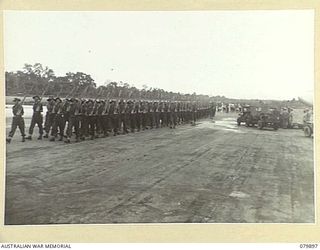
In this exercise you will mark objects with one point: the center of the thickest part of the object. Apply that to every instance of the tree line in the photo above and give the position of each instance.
(39, 80)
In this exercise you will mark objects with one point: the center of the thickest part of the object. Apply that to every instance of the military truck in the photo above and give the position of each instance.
(244, 114)
(270, 119)
(253, 117)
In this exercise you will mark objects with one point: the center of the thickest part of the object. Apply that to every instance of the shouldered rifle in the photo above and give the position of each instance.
(84, 92)
(42, 95)
(24, 98)
(107, 105)
(95, 102)
(71, 92)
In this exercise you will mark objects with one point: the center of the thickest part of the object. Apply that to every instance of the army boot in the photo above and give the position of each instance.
(61, 138)
(8, 139)
(52, 138)
(23, 139)
(40, 137)
(67, 140)
(46, 136)
(29, 137)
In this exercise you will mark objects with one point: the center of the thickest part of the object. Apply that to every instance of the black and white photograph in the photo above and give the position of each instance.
(131, 117)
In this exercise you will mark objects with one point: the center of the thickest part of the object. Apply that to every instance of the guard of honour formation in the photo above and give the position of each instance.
(99, 118)
(94, 118)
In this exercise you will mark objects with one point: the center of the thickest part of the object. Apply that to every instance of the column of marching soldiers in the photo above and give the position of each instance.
(94, 118)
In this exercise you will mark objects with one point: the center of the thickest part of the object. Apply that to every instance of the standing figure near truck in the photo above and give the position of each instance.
(306, 116)
(284, 118)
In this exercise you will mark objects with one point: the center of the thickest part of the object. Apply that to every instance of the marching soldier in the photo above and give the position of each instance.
(106, 119)
(59, 122)
(92, 119)
(212, 110)
(137, 116)
(143, 112)
(36, 118)
(122, 117)
(49, 116)
(130, 115)
(113, 116)
(194, 110)
(178, 114)
(149, 115)
(173, 115)
(17, 120)
(161, 113)
(156, 115)
(83, 120)
(166, 114)
(74, 110)
(101, 124)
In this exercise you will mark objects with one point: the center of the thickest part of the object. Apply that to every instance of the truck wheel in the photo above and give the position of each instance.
(307, 131)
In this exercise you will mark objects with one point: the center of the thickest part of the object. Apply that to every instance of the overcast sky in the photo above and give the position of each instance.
(241, 54)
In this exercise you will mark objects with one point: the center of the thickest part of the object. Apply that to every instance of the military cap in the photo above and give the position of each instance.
(90, 100)
(36, 96)
(58, 99)
(16, 99)
(50, 98)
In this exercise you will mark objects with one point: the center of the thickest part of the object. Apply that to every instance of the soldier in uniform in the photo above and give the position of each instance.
(173, 115)
(284, 118)
(66, 112)
(122, 117)
(149, 115)
(83, 120)
(130, 115)
(101, 119)
(143, 112)
(59, 122)
(183, 112)
(74, 119)
(156, 114)
(36, 118)
(166, 114)
(17, 120)
(161, 113)
(194, 111)
(137, 115)
(49, 116)
(106, 118)
(306, 116)
(178, 114)
(92, 118)
(113, 116)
